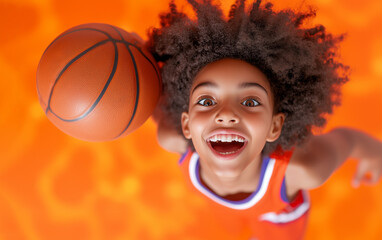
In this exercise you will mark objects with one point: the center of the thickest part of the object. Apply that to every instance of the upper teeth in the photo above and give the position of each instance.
(226, 138)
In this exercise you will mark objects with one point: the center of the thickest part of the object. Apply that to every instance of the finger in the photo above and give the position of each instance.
(362, 169)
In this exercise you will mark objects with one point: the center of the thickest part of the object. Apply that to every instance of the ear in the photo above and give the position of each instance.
(185, 125)
(277, 125)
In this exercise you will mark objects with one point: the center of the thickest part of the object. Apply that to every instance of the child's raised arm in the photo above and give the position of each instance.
(167, 136)
(314, 162)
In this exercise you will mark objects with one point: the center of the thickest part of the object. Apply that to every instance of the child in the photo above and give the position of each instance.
(241, 98)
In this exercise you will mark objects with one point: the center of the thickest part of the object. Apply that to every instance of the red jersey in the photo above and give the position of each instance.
(266, 212)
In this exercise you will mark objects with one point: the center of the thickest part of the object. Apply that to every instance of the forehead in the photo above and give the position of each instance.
(232, 73)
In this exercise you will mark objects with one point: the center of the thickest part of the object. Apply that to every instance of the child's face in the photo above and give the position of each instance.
(230, 100)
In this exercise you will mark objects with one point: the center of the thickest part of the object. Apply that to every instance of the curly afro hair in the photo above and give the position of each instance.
(300, 63)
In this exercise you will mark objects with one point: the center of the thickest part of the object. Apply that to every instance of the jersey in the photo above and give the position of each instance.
(266, 213)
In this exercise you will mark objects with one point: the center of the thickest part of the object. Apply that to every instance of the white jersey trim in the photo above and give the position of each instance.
(239, 205)
(291, 216)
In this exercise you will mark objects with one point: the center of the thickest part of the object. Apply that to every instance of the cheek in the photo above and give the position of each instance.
(198, 123)
(258, 124)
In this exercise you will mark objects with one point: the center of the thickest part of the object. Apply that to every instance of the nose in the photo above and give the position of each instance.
(226, 116)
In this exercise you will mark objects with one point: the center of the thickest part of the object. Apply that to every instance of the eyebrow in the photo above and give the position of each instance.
(242, 85)
(253, 84)
(206, 84)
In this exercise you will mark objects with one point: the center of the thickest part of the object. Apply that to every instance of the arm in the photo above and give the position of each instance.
(167, 136)
(315, 161)
(169, 139)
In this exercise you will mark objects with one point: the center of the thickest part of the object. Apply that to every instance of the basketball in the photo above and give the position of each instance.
(97, 82)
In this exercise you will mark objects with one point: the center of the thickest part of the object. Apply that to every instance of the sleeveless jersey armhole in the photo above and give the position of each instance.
(283, 192)
(298, 198)
(283, 157)
(293, 211)
(184, 155)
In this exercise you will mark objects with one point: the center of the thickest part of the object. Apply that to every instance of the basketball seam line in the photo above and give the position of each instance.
(140, 50)
(136, 80)
(59, 37)
(104, 88)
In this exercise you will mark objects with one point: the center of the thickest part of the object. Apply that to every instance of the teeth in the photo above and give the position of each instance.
(226, 153)
(226, 138)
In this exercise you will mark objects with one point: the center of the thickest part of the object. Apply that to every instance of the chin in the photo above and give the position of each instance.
(223, 173)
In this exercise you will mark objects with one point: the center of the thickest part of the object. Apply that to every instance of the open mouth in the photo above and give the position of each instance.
(226, 144)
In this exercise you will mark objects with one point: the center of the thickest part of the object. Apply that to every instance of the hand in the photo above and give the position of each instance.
(369, 169)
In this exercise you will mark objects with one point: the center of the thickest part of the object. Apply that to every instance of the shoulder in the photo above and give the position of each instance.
(169, 139)
(304, 171)
(313, 162)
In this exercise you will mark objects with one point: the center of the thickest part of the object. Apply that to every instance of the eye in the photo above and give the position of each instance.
(250, 102)
(206, 102)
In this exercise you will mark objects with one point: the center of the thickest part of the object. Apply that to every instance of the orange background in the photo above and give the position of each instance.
(55, 187)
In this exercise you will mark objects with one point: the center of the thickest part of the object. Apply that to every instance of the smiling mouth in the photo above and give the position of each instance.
(226, 144)
(226, 147)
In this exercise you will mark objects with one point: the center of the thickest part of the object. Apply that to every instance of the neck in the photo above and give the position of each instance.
(246, 181)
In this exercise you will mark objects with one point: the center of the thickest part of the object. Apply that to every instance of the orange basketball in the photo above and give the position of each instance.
(97, 82)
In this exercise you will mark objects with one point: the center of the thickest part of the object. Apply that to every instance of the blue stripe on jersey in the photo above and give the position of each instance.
(283, 193)
(184, 156)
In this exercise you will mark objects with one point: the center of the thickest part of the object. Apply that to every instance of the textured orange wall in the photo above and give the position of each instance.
(55, 187)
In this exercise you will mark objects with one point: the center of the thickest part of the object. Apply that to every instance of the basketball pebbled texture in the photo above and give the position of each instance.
(97, 82)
